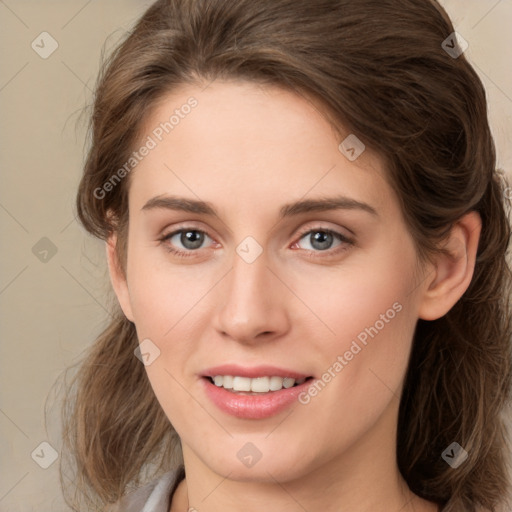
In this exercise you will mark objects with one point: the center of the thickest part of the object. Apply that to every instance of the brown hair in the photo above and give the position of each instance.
(379, 68)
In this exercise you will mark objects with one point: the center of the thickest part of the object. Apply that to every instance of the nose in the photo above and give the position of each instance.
(252, 302)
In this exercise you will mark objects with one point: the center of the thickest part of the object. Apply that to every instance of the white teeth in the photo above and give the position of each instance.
(256, 385)
(276, 383)
(288, 382)
(228, 382)
(260, 385)
(241, 383)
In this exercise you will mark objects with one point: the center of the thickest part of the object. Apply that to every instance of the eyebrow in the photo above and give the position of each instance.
(287, 210)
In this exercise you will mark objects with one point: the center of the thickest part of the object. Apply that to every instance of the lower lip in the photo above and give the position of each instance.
(253, 407)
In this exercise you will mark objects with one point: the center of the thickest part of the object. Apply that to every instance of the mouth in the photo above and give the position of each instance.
(255, 385)
(253, 393)
(254, 398)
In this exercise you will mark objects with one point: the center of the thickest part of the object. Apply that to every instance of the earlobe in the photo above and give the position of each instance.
(118, 278)
(453, 269)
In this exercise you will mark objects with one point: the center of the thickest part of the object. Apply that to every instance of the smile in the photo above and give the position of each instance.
(255, 385)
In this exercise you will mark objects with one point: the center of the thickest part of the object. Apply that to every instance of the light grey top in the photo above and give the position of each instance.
(155, 496)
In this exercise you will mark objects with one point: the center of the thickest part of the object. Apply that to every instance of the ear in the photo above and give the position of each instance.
(453, 271)
(118, 278)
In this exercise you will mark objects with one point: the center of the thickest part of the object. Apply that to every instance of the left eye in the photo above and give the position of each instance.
(322, 239)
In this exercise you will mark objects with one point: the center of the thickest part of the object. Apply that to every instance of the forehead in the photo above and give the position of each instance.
(250, 144)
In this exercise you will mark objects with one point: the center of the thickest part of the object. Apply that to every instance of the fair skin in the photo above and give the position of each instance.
(249, 150)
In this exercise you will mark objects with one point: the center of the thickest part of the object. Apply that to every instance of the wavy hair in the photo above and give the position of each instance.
(379, 69)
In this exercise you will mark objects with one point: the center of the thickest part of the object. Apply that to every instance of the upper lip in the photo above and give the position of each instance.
(252, 372)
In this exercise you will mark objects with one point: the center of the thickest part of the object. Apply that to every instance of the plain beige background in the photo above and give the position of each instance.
(53, 305)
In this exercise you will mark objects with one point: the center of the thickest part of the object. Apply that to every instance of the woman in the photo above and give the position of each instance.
(306, 236)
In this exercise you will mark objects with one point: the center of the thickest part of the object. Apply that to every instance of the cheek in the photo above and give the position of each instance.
(372, 293)
(368, 315)
(162, 293)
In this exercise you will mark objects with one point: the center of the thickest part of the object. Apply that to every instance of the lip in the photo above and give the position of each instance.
(255, 371)
(253, 406)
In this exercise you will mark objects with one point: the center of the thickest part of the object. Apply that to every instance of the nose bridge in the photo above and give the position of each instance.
(251, 301)
(248, 275)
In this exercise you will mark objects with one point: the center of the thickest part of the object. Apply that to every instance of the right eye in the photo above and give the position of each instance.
(190, 238)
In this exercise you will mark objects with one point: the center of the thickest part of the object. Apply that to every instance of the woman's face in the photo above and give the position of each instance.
(294, 262)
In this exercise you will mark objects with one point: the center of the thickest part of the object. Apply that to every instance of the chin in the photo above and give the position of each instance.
(266, 469)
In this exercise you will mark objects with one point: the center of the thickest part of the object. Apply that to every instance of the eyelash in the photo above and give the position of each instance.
(345, 242)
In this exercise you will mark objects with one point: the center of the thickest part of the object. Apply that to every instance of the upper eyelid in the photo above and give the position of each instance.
(177, 230)
(301, 231)
(309, 229)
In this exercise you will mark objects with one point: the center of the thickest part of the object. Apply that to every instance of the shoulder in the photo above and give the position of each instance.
(152, 497)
